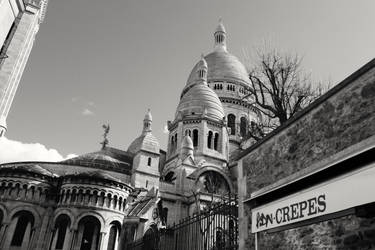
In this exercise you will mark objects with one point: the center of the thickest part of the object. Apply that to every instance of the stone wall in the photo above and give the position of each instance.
(349, 232)
(339, 119)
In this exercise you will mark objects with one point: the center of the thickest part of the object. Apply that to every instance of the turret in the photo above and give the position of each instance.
(202, 70)
(187, 148)
(220, 37)
(147, 122)
(146, 152)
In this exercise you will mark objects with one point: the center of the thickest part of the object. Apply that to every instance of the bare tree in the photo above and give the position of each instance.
(279, 90)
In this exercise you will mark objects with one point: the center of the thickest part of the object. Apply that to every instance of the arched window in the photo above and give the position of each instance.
(149, 161)
(74, 195)
(172, 143)
(216, 141)
(243, 126)
(232, 124)
(113, 237)
(22, 232)
(209, 139)
(89, 228)
(214, 183)
(175, 140)
(188, 132)
(195, 137)
(61, 231)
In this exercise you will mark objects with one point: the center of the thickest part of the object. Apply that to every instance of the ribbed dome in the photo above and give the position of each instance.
(107, 157)
(200, 99)
(147, 142)
(29, 168)
(222, 65)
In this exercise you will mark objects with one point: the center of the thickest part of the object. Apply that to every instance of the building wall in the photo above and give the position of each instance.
(48, 198)
(8, 13)
(144, 175)
(341, 118)
(349, 232)
(26, 19)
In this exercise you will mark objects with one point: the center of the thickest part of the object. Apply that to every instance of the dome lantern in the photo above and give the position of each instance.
(147, 122)
(202, 69)
(220, 37)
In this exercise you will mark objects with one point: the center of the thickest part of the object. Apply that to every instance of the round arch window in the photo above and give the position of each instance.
(214, 183)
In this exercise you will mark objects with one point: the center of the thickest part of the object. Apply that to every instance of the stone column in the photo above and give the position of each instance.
(78, 242)
(55, 233)
(73, 239)
(3, 234)
(8, 237)
(242, 220)
(68, 236)
(27, 239)
(102, 241)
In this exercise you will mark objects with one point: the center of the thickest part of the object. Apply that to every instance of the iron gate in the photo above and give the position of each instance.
(211, 229)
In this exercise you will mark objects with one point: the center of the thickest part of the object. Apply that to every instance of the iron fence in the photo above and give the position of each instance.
(215, 228)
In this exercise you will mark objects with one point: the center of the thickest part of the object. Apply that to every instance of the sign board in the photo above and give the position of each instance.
(347, 191)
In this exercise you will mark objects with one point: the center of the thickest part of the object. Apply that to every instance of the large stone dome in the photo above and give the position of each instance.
(199, 100)
(222, 66)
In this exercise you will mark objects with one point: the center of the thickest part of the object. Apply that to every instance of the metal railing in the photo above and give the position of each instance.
(215, 228)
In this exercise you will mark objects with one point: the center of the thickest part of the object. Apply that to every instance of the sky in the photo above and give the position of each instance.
(96, 62)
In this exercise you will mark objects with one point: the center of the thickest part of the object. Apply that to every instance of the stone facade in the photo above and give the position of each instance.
(84, 204)
(349, 232)
(19, 22)
(341, 118)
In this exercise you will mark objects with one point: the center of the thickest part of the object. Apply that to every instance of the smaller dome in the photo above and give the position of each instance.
(147, 142)
(187, 148)
(199, 100)
(202, 64)
(222, 66)
(187, 143)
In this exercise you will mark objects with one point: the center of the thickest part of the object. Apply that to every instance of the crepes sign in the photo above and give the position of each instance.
(292, 212)
(338, 194)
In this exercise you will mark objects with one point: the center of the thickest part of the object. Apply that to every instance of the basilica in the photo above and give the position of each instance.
(105, 199)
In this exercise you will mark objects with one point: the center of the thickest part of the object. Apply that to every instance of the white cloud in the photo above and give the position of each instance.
(87, 112)
(12, 151)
